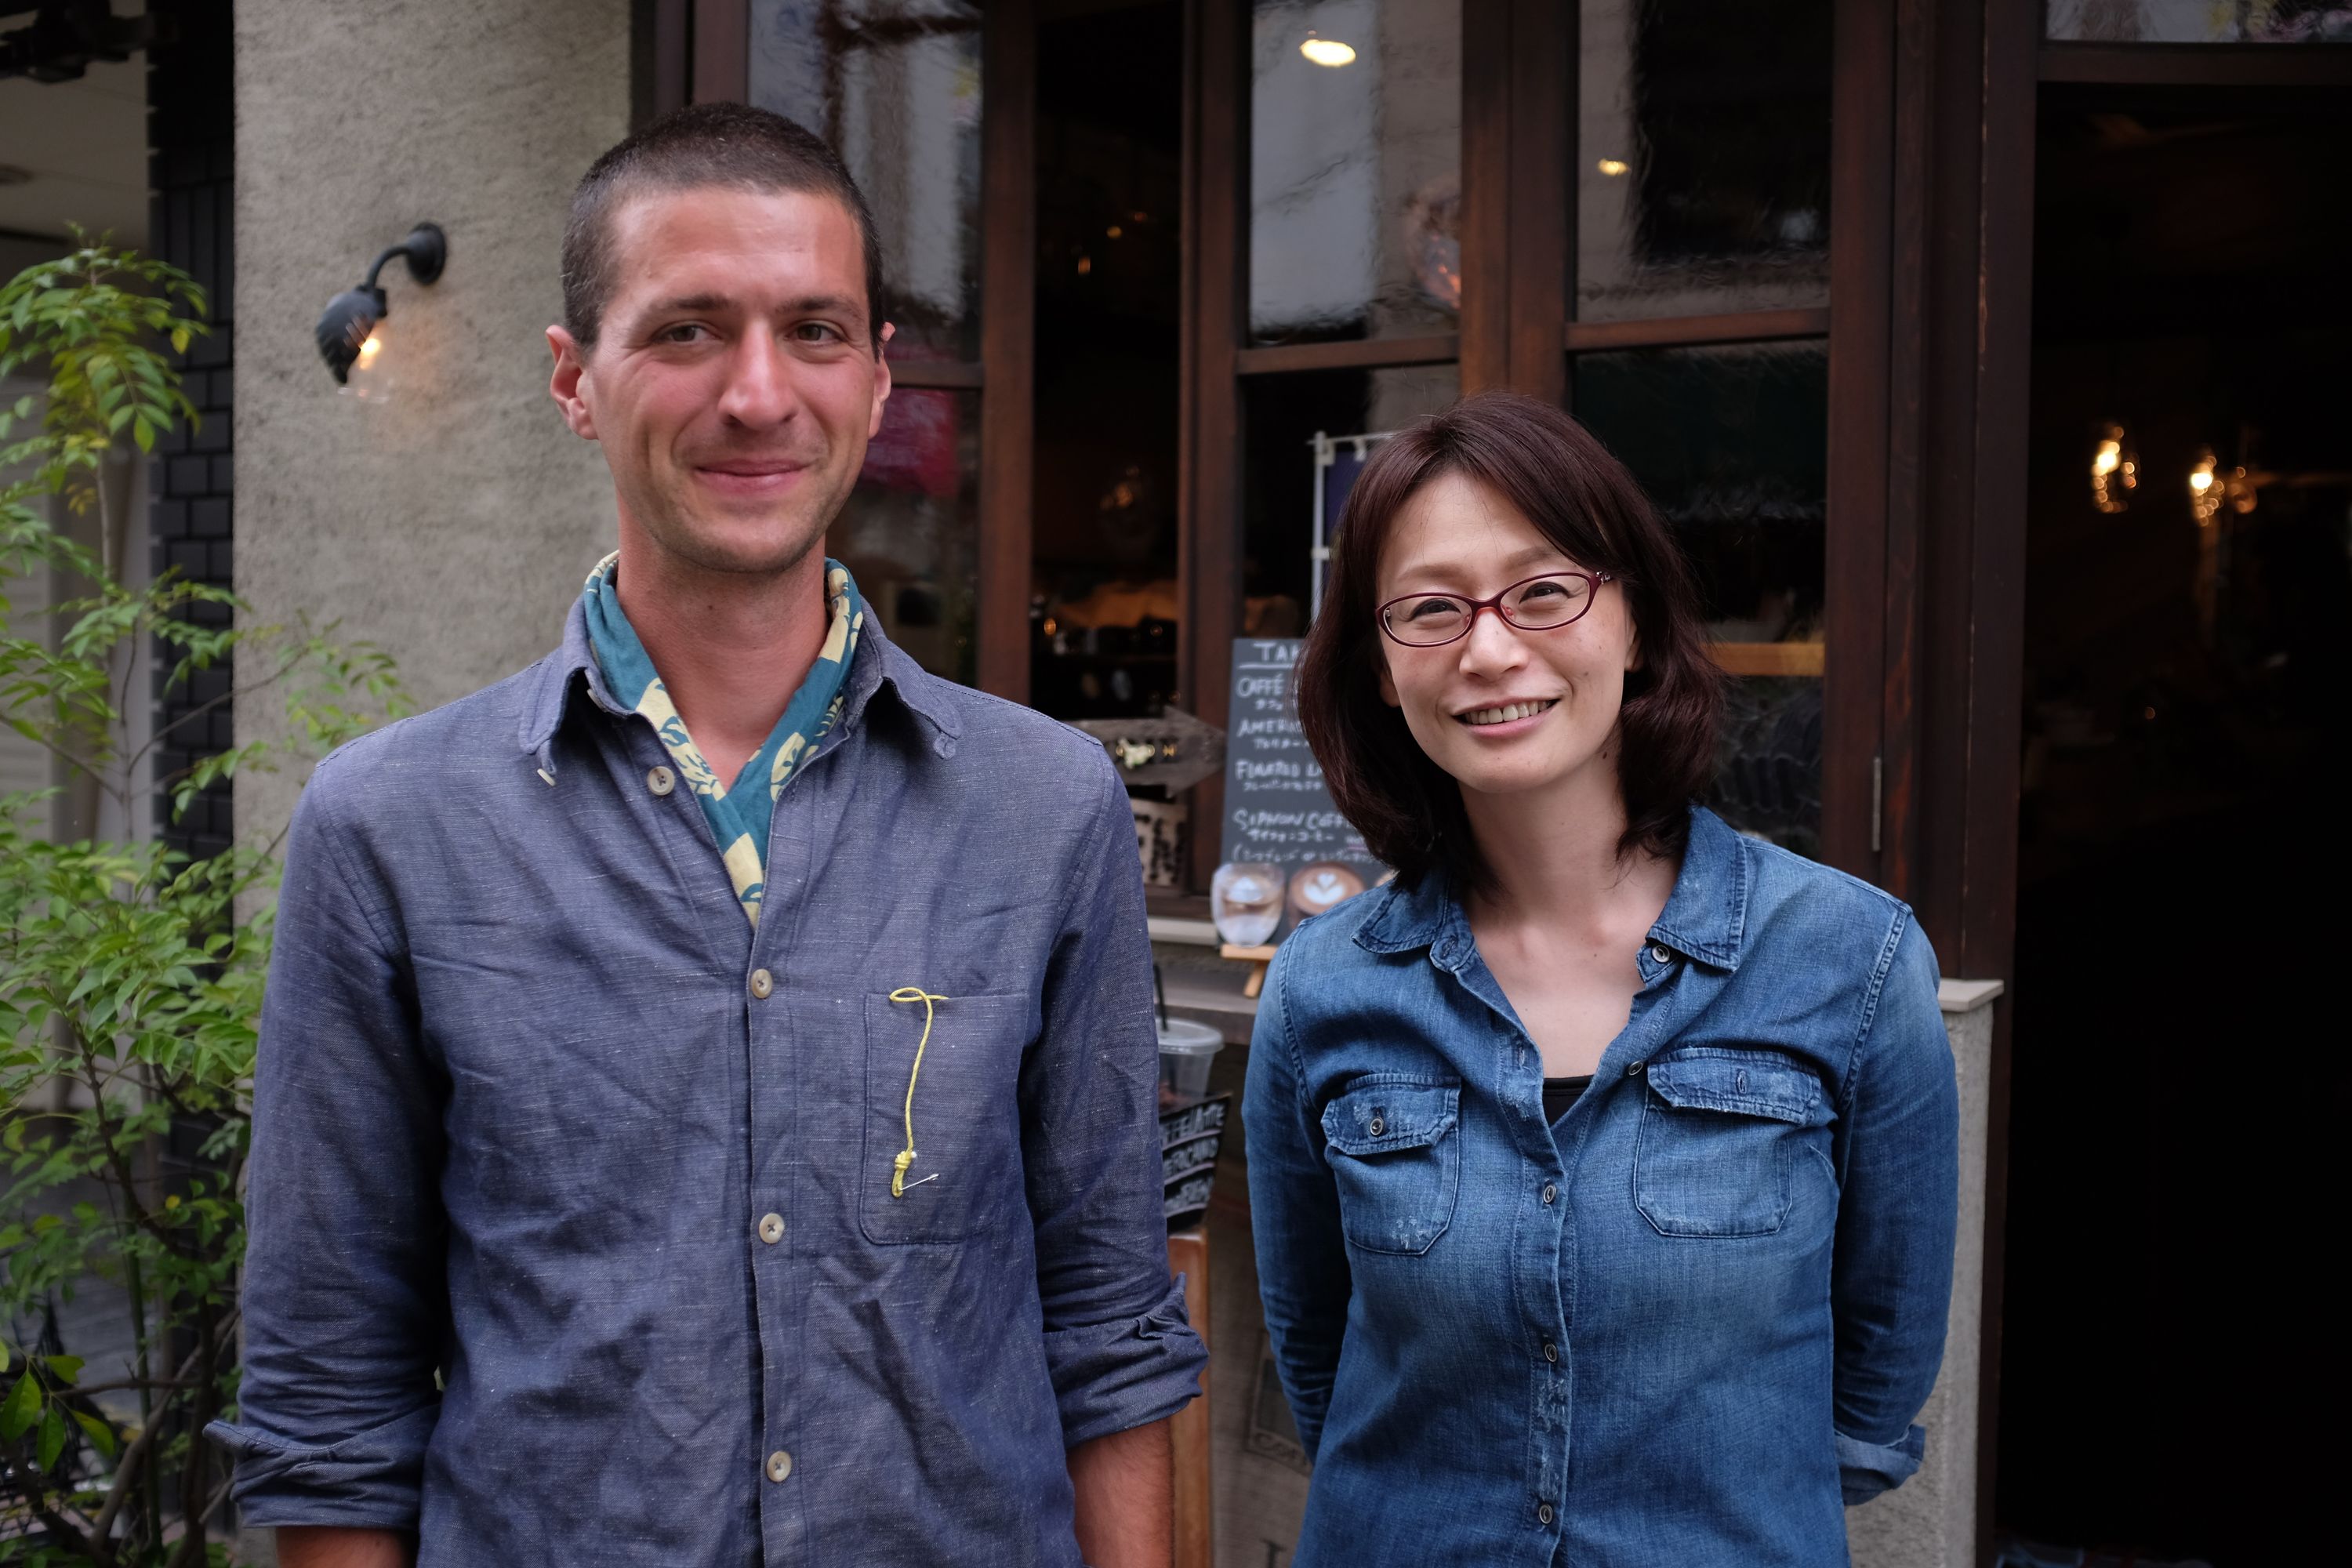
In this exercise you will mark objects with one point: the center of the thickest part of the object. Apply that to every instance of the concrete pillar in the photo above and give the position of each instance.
(453, 524)
(1930, 1520)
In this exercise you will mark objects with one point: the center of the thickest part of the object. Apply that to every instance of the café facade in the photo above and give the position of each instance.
(1986, 355)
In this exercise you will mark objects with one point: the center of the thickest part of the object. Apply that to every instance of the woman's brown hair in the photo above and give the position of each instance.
(1582, 499)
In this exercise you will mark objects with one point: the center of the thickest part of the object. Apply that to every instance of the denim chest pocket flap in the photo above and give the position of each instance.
(1396, 1158)
(959, 1091)
(1721, 1134)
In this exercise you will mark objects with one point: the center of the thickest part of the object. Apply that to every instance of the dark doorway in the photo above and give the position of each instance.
(2169, 1361)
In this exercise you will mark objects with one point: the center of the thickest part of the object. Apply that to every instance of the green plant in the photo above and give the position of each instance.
(130, 976)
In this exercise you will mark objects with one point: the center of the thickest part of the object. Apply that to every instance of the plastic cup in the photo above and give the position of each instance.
(1186, 1050)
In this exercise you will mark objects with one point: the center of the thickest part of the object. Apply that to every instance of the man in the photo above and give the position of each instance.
(705, 1112)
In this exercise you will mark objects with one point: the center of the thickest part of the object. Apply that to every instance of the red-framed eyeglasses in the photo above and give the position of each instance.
(1539, 604)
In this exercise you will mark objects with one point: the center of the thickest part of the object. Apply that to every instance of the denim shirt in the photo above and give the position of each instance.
(1682, 1325)
(572, 1235)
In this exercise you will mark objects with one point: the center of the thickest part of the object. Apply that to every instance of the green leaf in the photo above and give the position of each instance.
(179, 340)
(52, 1441)
(101, 1435)
(64, 1368)
(24, 1405)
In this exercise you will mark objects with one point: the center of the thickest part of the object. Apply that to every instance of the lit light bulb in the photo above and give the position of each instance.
(1326, 51)
(2204, 494)
(2114, 470)
(1613, 167)
(371, 379)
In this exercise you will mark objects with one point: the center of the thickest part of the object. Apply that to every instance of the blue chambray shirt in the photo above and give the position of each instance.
(538, 1111)
(1685, 1324)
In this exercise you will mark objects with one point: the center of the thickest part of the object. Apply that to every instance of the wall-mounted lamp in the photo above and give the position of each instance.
(351, 329)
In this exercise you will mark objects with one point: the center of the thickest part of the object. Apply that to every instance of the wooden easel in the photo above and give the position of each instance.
(1257, 958)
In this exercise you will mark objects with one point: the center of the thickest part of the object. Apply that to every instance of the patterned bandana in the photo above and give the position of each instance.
(737, 815)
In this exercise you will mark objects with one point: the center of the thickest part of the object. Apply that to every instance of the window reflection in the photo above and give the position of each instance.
(1355, 169)
(1282, 416)
(1702, 171)
(895, 86)
(908, 534)
(1732, 443)
(2200, 22)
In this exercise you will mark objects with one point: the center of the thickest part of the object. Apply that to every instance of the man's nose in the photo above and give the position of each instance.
(760, 391)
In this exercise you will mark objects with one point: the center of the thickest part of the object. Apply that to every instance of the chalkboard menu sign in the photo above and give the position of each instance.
(1287, 851)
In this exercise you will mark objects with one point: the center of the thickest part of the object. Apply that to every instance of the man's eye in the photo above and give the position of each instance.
(817, 332)
(682, 333)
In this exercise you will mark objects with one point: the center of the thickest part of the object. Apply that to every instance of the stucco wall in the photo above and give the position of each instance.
(454, 523)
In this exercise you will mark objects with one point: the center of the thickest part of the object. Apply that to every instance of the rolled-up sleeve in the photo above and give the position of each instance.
(1118, 1344)
(1897, 1217)
(1302, 1264)
(345, 1309)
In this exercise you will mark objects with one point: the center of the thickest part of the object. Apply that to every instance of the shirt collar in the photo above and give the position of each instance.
(1706, 917)
(877, 662)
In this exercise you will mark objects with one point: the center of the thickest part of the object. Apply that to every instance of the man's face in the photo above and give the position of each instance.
(734, 383)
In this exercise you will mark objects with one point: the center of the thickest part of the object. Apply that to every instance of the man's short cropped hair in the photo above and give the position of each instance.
(729, 145)
(1581, 500)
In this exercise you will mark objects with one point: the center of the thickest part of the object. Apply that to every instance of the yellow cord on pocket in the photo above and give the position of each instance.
(906, 1155)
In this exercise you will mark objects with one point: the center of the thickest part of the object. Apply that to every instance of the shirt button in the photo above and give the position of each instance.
(1633, 1068)
(771, 1228)
(661, 781)
(764, 984)
(1658, 954)
(1551, 1351)
(1543, 1513)
(1379, 1126)
(1550, 1192)
(780, 1465)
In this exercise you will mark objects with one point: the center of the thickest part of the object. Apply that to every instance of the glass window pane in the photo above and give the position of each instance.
(1703, 158)
(1355, 169)
(1104, 621)
(1281, 473)
(895, 86)
(910, 532)
(1732, 444)
(2200, 21)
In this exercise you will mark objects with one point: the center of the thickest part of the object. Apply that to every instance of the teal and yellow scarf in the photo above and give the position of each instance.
(737, 813)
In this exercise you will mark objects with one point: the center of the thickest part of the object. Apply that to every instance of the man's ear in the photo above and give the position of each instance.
(569, 384)
(881, 380)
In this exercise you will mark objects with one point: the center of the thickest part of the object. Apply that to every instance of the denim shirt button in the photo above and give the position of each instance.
(764, 984)
(1633, 1068)
(1551, 1351)
(771, 1228)
(1550, 1192)
(661, 781)
(1379, 1125)
(1660, 953)
(780, 1466)
(1543, 1513)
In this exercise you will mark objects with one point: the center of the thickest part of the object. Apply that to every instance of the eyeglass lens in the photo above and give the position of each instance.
(1535, 605)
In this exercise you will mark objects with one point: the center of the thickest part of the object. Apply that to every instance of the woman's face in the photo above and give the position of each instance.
(1503, 711)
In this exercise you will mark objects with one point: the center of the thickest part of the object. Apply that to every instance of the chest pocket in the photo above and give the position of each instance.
(965, 1177)
(1396, 1157)
(1720, 1137)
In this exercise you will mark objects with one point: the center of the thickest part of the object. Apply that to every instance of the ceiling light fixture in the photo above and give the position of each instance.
(1613, 167)
(351, 328)
(1328, 51)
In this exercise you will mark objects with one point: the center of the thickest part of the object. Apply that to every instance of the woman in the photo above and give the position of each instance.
(1604, 1164)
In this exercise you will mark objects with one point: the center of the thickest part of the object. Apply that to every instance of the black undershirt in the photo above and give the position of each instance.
(1560, 1093)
